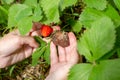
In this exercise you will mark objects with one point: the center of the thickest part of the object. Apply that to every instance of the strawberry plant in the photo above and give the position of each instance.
(96, 24)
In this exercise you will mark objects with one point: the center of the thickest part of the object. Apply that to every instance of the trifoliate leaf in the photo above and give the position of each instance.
(98, 4)
(98, 40)
(13, 14)
(105, 70)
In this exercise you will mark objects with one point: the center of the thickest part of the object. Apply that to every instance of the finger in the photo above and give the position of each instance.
(56, 28)
(53, 54)
(19, 55)
(29, 40)
(71, 51)
(61, 52)
(35, 33)
(27, 51)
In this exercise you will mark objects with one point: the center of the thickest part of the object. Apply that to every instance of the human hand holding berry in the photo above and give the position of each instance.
(62, 61)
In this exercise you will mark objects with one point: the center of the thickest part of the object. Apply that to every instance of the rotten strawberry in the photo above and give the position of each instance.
(61, 38)
(46, 30)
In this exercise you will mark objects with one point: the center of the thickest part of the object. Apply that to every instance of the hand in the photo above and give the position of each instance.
(14, 47)
(66, 58)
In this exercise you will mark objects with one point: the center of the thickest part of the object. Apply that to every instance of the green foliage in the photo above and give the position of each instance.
(113, 14)
(51, 11)
(117, 43)
(90, 15)
(97, 31)
(76, 25)
(105, 70)
(43, 50)
(31, 3)
(66, 3)
(96, 42)
(21, 16)
(7, 1)
(47, 54)
(96, 4)
(80, 72)
(37, 54)
(117, 3)
(3, 14)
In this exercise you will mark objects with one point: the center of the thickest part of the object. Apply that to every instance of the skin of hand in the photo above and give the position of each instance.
(62, 61)
(15, 48)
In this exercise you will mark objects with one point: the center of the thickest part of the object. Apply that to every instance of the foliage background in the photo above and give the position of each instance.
(96, 24)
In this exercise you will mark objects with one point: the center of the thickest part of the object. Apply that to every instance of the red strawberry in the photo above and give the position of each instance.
(46, 30)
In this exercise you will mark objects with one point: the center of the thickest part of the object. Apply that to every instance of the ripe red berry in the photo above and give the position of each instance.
(46, 30)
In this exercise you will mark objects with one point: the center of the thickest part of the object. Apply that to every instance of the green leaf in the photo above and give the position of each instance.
(113, 14)
(37, 16)
(51, 10)
(3, 15)
(80, 72)
(32, 3)
(98, 40)
(37, 54)
(109, 55)
(8, 1)
(76, 25)
(90, 15)
(13, 11)
(11, 70)
(47, 54)
(106, 70)
(117, 43)
(118, 52)
(24, 25)
(23, 13)
(66, 3)
(83, 49)
(40, 41)
(98, 4)
(117, 3)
